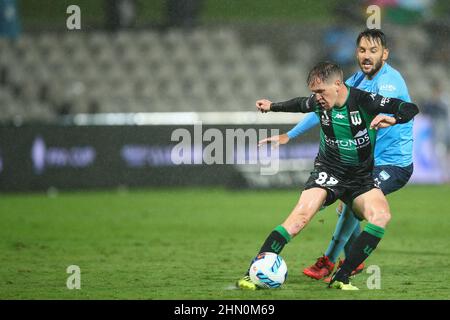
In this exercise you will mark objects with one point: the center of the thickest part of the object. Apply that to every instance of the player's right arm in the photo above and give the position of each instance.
(299, 104)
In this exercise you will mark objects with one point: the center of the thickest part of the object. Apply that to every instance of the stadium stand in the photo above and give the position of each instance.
(49, 74)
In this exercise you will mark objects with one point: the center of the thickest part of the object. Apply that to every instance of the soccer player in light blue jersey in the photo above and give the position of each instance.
(393, 148)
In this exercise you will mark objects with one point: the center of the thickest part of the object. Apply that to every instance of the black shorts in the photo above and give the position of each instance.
(341, 182)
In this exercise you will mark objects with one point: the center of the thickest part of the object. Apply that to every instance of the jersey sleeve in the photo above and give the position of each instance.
(299, 104)
(308, 122)
(374, 104)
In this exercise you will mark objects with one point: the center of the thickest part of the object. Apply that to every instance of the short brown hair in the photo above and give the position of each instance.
(323, 71)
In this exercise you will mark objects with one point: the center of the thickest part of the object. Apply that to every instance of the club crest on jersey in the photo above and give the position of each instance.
(355, 117)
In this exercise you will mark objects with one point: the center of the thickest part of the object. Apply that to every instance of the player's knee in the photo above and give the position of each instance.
(385, 217)
(381, 218)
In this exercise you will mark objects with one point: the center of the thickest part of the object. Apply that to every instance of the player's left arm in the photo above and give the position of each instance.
(375, 104)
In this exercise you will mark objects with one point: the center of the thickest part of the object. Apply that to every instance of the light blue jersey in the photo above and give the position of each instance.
(394, 145)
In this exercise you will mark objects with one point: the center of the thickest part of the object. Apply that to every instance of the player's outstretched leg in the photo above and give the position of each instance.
(309, 203)
(375, 209)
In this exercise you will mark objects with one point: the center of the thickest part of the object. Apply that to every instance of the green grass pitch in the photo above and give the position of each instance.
(194, 243)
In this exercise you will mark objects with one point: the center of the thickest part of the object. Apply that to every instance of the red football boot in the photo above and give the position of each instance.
(321, 269)
(358, 269)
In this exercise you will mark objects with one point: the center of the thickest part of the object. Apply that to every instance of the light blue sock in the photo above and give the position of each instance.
(345, 227)
(354, 235)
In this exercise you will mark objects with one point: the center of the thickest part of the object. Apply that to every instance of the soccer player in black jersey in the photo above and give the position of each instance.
(343, 166)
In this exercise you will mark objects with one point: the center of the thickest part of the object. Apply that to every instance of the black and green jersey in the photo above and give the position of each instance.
(345, 135)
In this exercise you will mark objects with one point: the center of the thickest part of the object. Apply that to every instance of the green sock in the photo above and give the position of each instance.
(275, 242)
(361, 249)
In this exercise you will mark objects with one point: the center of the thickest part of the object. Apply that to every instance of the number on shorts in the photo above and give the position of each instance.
(323, 180)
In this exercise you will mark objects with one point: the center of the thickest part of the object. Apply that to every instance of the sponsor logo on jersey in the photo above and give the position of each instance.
(339, 116)
(387, 87)
(360, 140)
(373, 96)
(355, 117)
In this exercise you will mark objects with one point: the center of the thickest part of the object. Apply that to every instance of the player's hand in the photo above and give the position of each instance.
(275, 140)
(382, 121)
(263, 105)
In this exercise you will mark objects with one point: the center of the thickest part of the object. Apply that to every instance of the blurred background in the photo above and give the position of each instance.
(96, 106)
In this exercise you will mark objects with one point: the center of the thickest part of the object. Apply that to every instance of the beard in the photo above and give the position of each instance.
(376, 67)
